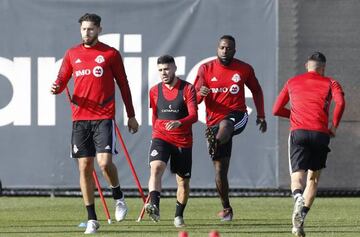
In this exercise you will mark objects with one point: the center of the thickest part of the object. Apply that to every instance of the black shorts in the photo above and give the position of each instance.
(181, 158)
(92, 136)
(308, 150)
(239, 120)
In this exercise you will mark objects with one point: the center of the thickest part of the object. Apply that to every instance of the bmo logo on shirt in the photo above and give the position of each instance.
(97, 72)
(234, 89)
(83, 72)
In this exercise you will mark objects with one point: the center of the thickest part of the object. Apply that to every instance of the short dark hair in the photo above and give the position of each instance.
(96, 19)
(228, 37)
(165, 59)
(317, 57)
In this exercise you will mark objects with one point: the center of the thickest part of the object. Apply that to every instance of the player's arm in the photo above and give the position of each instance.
(279, 108)
(338, 96)
(253, 84)
(153, 94)
(201, 88)
(190, 100)
(63, 77)
(118, 70)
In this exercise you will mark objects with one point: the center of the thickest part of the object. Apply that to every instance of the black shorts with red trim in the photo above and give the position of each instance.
(180, 157)
(92, 136)
(239, 120)
(308, 150)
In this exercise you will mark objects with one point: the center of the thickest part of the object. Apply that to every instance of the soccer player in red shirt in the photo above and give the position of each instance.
(220, 83)
(174, 110)
(309, 96)
(94, 66)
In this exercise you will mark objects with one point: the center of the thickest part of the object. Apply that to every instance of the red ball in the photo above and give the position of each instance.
(183, 234)
(214, 233)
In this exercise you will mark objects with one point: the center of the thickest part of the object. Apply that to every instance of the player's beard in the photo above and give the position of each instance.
(170, 80)
(90, 41)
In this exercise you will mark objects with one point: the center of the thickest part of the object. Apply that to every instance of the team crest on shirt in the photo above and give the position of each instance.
(234, 89)
(236, 78)
(98, 71)
(99, 59)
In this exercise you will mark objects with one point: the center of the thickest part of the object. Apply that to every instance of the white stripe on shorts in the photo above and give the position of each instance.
(113, 138)
(241, 123)
(289, 155)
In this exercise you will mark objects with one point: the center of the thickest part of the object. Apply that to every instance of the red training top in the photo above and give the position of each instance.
(94, 70)
(181, 136)
(227, 92)
(310, 97)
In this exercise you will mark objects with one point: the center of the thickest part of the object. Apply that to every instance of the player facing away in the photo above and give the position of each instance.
(309, 96)
(220, 84)
(94, 66)
(174, 110)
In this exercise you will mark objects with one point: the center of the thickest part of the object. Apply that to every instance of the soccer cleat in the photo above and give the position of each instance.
(211, 141)
(153, 212)
(226, 214)
(91, 227)
(120, 209)
(299, 232)
(297, 217)
(179, 222)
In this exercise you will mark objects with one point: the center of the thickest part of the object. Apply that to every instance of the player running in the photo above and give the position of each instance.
(309, 96)
(174, 110)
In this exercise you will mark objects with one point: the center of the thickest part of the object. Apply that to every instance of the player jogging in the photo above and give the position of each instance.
(174, 110)
(309, 96)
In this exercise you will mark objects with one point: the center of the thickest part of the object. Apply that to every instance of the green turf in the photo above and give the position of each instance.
(42, 216)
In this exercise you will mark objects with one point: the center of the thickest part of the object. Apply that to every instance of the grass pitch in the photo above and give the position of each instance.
(43, 216)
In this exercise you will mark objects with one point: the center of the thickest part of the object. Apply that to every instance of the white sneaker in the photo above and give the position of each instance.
(179, 222)
(121, 209)
(299, 232)
(91, 227)
(297, 217)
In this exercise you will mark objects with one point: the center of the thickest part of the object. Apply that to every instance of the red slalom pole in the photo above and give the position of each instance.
(143, 209)
(130, 163)
(106, 210)
(102, 197)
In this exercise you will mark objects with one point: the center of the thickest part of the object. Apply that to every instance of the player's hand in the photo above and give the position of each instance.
(262, 124)
(204, 91)
(133, 125)
(332, 131)
(172, 125)
(54, 88)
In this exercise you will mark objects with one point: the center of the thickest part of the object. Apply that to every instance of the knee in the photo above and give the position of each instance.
(221, 168)
(313, 181)
(86, 169)
(313, 177)
(104, 165)
(183, 184)
(156, 170)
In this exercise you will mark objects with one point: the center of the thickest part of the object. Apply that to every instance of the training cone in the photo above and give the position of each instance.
(183, 234)
(214, 233)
